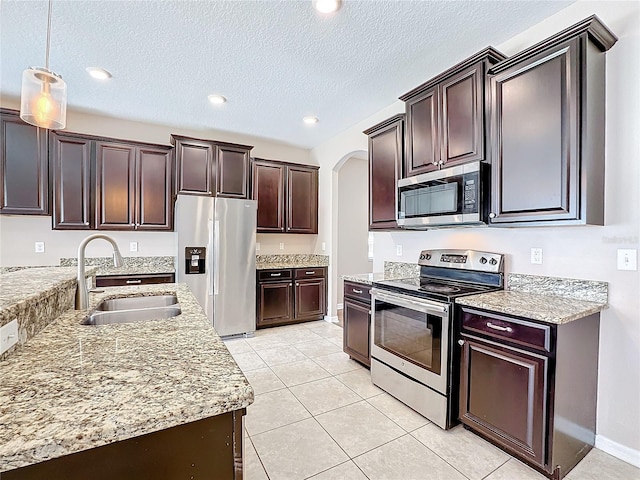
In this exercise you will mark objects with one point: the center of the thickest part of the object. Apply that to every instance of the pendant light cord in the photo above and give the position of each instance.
(48, 35)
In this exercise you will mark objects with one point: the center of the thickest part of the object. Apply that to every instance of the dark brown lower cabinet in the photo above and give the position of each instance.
(530, 387)
(357, 322)
(208, 448)
(287, 296)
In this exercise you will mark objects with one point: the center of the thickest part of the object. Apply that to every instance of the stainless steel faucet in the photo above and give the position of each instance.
(82, 294)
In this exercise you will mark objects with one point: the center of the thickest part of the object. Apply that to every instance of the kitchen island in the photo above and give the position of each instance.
(78, 390)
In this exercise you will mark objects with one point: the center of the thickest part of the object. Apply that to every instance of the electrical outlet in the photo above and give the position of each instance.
(39, 247)
(399, 250)
(8, 335)
(536, 256)
(281, 246)
(133, 246)
(627, 259)
(324, 246)
(257, 246)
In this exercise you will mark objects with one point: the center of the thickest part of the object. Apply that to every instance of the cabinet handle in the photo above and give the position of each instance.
(133, 282)
(499, 328)
(310, 273)
(276, 274)
(492, 215)
(461, 342)
(354, 290)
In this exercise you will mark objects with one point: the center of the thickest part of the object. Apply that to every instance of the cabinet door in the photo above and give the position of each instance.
(357, 331)
(423, 145)
(115, 186)
(535, 108)
(302, 200)
(503, 394)
(385, 165)
(195, 167)
(24, 177)
(233, 171)
(310, 299)
(268, 190)
(462, 127)
(275, 303)
(154, 193)
(71, 165)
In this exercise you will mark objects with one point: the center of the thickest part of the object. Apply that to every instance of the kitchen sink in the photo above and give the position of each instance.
(132, 315)
(134, 303)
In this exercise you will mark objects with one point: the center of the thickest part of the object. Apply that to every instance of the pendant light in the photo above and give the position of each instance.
(43, 100)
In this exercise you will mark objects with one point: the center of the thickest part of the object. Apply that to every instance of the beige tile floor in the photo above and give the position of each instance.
(317, 415)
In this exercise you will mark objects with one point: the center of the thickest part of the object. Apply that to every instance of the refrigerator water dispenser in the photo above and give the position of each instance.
(194, 260)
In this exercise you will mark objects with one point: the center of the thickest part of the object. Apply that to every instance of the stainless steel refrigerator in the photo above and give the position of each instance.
(216, 241)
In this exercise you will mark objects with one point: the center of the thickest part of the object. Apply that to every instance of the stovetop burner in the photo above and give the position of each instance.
(448, 274)
(439, 288)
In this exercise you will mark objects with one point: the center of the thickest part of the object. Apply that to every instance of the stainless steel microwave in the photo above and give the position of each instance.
(452, 196)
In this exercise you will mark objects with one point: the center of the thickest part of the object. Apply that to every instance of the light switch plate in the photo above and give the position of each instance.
(8, 335)
(133, 246)
(281, 246)
(399, 250)
(324, 246)
(39, 247)
(627, 259)
(257, 246)
(536, 256)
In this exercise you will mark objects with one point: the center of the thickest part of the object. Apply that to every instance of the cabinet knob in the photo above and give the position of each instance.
(441, 162)
(461, 342)
(435, 162)
(492, 215)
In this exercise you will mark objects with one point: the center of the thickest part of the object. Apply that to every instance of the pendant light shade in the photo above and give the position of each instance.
(43, 99)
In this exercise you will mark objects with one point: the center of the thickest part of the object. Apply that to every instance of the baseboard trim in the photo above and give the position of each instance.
(618, 450)
(330, 319)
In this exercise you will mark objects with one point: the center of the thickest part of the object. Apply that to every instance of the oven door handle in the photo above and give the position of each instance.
(422, 305)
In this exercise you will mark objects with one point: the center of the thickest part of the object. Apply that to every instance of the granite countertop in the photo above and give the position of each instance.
(28, 284)
(367, 278)
(75, 387)
(543, 307)
(131, 265)
(295, 260)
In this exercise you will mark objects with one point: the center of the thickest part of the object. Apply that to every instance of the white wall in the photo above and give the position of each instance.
(353, 220)
(18, 233)
(574, 252)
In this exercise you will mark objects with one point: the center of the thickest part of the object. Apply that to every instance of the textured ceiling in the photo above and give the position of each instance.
(276, 61)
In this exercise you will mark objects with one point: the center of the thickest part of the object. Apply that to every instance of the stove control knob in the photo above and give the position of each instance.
(483, 260)
(423, 257)
(493, 261)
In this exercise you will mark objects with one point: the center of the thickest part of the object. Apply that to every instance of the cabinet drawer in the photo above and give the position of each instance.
(124, 280)
(309, 272)
(513, 330)
(266, 275)
(357, 291)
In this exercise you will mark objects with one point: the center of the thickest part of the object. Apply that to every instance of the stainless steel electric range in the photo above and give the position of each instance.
(414, 356)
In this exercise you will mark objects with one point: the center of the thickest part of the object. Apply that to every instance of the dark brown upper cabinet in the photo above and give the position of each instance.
(446, 117)
(212, 168)
(133, 187)
(269, 190)
(24, 173)
(386, 149)
(548, 112)
(107, 184)
(302, 199)
(70, 159)
(287, 196)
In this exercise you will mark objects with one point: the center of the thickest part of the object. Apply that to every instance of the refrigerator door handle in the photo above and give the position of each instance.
(216, 253)
(210, 264)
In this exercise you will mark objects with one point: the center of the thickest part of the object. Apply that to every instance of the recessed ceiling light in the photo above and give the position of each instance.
(99, 73)
(310, 120)
(327, 6)
(217, 99)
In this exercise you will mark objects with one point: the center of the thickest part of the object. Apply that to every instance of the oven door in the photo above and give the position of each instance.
(411, 335)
